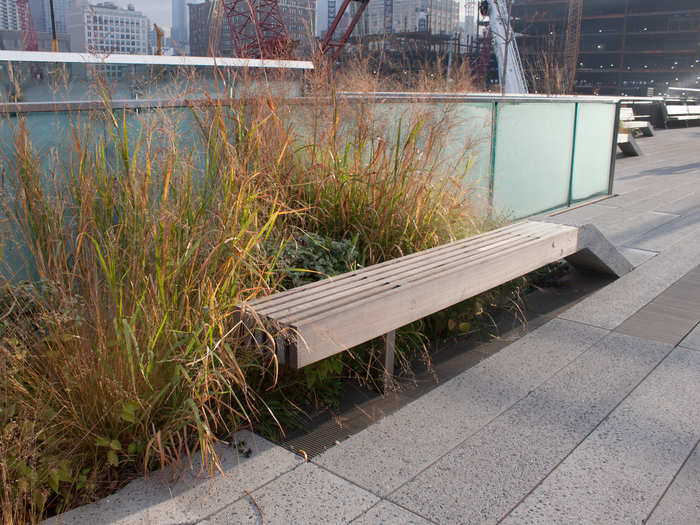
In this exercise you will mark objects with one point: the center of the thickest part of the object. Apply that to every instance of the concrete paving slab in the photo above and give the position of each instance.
(193, 495)
(392, 451)
(666, 234)
(681, 503)
(692, 340)
(199, 494)
(492, 471)
(621, 470)
(387, 513)
(660, 322)
(610, 306)
(141, 501)
(635, 256)
(308, 494)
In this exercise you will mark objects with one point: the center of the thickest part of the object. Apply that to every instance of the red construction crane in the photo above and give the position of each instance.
(28, 34)
(27, 24)
(328, 42)
(257, 28)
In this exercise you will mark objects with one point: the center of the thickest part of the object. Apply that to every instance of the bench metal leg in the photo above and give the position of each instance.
(389, 347)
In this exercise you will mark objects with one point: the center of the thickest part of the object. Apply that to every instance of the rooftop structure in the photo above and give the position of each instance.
(634, 48)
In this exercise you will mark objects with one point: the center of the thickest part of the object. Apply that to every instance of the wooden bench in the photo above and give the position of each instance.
(628, 145)
(630, 122)
(318, 320)
(682, 113)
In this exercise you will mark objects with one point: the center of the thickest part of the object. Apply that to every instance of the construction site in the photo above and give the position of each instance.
(620, 47)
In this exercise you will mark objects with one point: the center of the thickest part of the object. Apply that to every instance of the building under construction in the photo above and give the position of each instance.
(622, 47)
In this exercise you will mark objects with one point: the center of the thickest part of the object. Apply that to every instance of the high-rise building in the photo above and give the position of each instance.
(179, 33)
(200, 29)
(9, 17)
(627, 47)
(105, 28)
(432, 17)
(299, 19)
(15, 40)
(41, 14)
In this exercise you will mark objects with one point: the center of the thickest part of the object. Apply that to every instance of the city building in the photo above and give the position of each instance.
(105, 28)
(13, 39)
(432, 17)
(9, 17)
(179, 30)
(200, 31)
(41, 14)
(627, 47)
(300, 20)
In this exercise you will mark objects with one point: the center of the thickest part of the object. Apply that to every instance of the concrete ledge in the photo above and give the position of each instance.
(597, 253)
(193, 495)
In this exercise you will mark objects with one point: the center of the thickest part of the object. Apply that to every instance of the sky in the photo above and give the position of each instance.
(157, 11)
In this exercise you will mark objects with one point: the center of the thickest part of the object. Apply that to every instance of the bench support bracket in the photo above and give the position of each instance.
(389, 350)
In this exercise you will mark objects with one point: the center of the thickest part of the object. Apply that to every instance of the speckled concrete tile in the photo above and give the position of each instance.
(621, 470)
(636, 257)
(666, 234)
(482, 479)
(393, 450)
(610, 306)
(386, 513)
(307, 494)
(681, 503)
(199, 494)
(692, 340)
(193, 495)
(143, 501)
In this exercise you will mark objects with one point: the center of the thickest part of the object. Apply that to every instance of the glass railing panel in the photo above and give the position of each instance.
(595, 125)
(59, 77)
(532, 165)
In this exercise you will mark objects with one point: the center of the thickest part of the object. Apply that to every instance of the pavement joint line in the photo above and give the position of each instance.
(589, 325)
(673, 479)
(248, 493)
(381, 498)
(384, 500)
(624, 398)
(528, 394)
(688, 348)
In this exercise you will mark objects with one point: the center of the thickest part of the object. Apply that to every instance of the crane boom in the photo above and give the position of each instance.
(510, 70)
(573, 38)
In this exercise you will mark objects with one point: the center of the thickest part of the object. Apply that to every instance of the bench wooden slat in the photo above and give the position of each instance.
(326, 319)
(333, 308)
(309, 291)
(321, 307)
(400, 271)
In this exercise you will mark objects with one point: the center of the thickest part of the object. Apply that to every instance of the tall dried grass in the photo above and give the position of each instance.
(145, 232)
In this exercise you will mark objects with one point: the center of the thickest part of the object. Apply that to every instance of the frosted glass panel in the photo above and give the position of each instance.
(594, 134)
(533, 157)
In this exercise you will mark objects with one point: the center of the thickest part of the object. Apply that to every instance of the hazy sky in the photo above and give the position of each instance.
(157, 10)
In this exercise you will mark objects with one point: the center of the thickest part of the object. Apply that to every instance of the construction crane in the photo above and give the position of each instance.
(573, 38)
(257, 28)
(510, 69)
(27, 24)
(159, 39)
(337, 45)
(28, 34)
